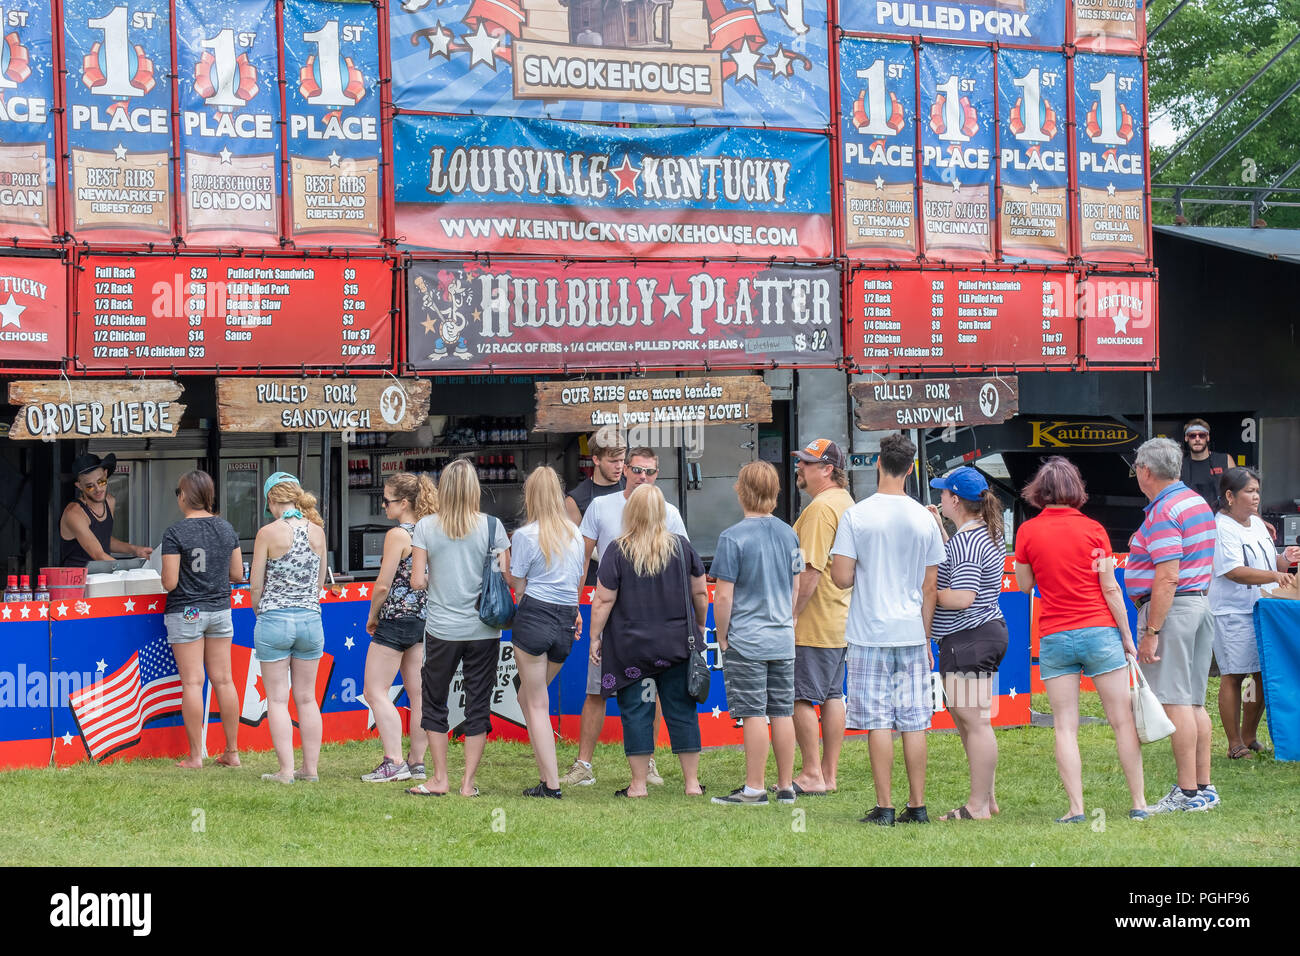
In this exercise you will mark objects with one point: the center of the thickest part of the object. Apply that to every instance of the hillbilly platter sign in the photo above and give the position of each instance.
(57, 409)
(321, 404)
(652, 403)
(934, 402)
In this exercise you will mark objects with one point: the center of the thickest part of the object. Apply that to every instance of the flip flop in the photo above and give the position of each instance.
(1239, 751)
(423, 791)
(703, 790)
(469, 795)
(1077, 818)
(221, 761)
(624, 793)
(961, 813)
(1256, 746)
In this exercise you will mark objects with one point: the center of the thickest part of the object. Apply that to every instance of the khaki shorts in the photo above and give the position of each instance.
(1185, 646)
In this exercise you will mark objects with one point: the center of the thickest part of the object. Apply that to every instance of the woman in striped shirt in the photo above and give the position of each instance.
(969, 623)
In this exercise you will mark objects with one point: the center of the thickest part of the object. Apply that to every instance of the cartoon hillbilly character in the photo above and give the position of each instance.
(449, 321)
(624, 24)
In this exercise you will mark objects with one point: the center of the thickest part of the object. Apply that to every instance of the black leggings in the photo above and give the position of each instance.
(480, 677)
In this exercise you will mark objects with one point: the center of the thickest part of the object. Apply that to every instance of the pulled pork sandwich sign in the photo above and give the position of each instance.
(53, 410)
(321, 405)
(935, 402)
(582, 406)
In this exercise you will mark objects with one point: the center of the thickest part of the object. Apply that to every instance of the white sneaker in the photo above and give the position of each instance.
(579, 775)
(1207, 799)
(1175, 800)
(652, 775)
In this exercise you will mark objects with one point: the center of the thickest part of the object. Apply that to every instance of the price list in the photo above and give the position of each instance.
(204, 312)
(933, 319)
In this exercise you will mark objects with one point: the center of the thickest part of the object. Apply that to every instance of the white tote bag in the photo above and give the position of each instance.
(1148, 714)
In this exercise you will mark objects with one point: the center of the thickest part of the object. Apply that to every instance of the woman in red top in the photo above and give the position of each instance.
(1083, 622)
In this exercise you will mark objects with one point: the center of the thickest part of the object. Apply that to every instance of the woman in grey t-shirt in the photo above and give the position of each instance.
(201, 559)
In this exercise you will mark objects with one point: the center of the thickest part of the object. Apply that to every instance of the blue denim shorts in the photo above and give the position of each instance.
(289, 632)
(1094, 650)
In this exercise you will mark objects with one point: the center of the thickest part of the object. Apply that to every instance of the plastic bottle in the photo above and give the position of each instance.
(42, 592)
(25, 589)
(11, 589)
(512, 472)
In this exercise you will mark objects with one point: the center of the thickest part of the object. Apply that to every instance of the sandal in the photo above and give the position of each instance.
(624, 793)
(1239, 751)
(423, 791)
(222, 761)
(1256, 746)
(703, 788)
(961, 813)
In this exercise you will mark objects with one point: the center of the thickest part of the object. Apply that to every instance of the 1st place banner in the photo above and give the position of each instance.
(27, 153)
(230, 122)
(719, 62)
(1033, 219)
(485, 184)
(465, 316)
(331, 69)
(119, 104)
(1108, 109)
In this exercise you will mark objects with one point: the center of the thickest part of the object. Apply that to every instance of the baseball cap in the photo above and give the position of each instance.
(963, 482)
(821, 451)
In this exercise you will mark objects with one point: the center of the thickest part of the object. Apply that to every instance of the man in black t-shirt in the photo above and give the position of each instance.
(606, 478)
(1203, 468)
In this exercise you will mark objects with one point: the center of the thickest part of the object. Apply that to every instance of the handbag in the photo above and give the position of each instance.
(699, 676)
(495, 604)
(1148, 714)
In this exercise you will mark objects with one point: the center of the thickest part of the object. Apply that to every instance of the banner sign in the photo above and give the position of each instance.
(718, 62)
(1033, 223)
(957, 147)
(975, 319)
(1108, 109)
(119, 105)
(27, 152)
(1007, 22)
(331, 69)
(1119, 316)
(878, 133)
(33, 310)
(321, 404)
(1110, 26)
(582, 406)
(230, 122)
(484, 184)
(200, 312)
(59, 408)
(546, 315)
(934, 402)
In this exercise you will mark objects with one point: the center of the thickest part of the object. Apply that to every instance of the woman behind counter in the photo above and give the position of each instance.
(288, 574)
(201, 559)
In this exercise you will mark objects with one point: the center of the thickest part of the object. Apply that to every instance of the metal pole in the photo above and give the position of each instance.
(922, 469)
(1245, 132)
(325, 479)
(1168, 16)
(1278, 182)
(302, 455)
(1150, 430)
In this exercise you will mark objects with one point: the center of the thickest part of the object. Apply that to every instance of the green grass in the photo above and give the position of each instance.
(147, 812)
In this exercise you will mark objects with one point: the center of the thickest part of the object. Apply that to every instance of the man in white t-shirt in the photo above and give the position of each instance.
(602, 523)
(888, 549)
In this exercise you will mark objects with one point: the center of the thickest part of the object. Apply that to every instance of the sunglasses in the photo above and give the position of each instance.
(638, 470)
(95, 484)
(178, 491)
(1204, 436)
(390, 501)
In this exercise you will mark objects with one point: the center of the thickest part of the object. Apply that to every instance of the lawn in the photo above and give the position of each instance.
(149, 813)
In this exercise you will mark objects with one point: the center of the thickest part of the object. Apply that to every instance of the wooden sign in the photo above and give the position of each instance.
(652, 403)
(321, 404)
(95, 408)
(935, 402)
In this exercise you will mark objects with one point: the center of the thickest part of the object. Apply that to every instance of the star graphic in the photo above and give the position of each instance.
(626, 176)
(45, 610)
(9, 313)
(362, 590)
(430, 326)
(237, 597)
(334, 157)
(1033, 186)
(1012, 693)
(482, 46)
(101, 665)
(67, 740)
(1110, 189)
(63, 610)
(717, 711)
(672, 300)
(439, 42)
(746, 60)
(1121, 323)
(956, 184)
(6, 613)
(349, 643)
(880, 182)
(323, 592)
(25, 612)
(119, 152)
(781, 64)
(130, 605)
(343, 591)
(225, 155)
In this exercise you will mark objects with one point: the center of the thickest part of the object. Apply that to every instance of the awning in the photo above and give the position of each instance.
(1281, 245)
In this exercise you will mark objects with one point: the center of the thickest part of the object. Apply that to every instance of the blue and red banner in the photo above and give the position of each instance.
(957, 151)
(1108, 112)
(486, 184)
(1110, 26)
(878, 139)
(1033, 154)
(331, 72)
(719, 62)
(1006, 22)
(27, 151)
(228, 69)
(119, 104)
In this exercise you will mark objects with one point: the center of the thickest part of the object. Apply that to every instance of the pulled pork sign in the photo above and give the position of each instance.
(321, 405)
(935, 402)
(583, 406)
(52, 410)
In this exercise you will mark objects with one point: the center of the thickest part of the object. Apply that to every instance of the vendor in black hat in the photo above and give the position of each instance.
(87, 523)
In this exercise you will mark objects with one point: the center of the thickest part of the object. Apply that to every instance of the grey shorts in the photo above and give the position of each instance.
(593, 678)
(819, 673)
(758, 688)
(1185, 646)
(190, 624)
(1235, 647)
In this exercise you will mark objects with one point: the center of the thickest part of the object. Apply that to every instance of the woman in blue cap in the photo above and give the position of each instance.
(287, 576)
(969, 625)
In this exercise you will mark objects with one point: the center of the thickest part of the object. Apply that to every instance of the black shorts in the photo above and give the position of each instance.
(399, 633)
(541, 628)
(978, 650)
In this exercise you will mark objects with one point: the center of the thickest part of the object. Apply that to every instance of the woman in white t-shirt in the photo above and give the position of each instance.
(1245, 562)
(547, 557)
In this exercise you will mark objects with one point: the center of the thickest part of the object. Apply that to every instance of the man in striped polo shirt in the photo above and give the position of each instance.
(1170, 564)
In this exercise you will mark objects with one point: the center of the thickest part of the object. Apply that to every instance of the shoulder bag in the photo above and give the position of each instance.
(699, 677)
(496, 606)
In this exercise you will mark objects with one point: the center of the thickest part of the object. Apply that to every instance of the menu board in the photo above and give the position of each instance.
(200, 312)
(937, 319)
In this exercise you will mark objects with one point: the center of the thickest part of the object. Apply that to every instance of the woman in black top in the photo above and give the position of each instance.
(201, 559)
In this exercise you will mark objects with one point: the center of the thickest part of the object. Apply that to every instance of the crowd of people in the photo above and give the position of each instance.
(853, 594)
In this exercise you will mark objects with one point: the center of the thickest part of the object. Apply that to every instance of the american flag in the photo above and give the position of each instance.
(111, 712)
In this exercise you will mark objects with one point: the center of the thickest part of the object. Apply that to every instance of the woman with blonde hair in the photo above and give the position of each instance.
(288, 573)
(546, 566)
(640, 619)
(396, 629)
(448, 553)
